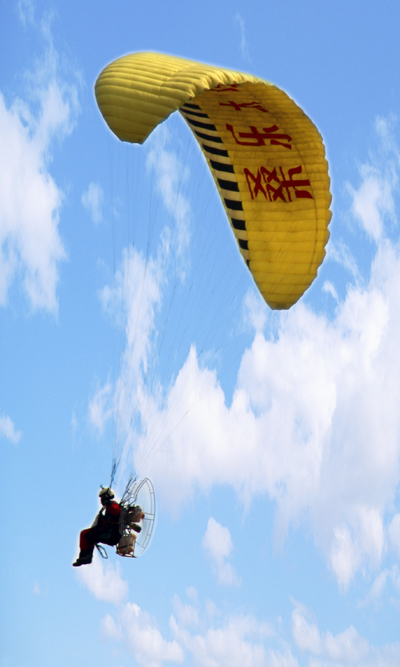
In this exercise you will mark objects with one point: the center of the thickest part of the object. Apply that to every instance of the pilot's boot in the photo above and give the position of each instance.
(136, 527)
(85, 558)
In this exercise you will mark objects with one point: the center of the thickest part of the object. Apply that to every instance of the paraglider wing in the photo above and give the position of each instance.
(266, 156)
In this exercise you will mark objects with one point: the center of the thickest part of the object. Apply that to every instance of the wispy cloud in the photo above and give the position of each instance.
(100, 408)
(74, 423)
(170, 174)
(210, 639)
(210, 636)
(373, 201)
(346, 648)
(388, 576)
(141, 636)
(330, 289)
(255, 311)
(134, 298)
(244, 49)
(234, 641)
(26, 11)
(218, 545)
(8, 430)
(103, 581)
(92, 199)
(339, 252)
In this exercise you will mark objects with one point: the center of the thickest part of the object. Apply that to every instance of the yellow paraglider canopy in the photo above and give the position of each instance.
(266, 156)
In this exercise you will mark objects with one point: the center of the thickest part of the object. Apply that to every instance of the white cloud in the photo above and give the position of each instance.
(239, 640)
(92, 199)
(135, 297)
(191, 592)
(141, 636)
(369, 200)
(244, 49)
(170, 174)
(30, 245)
(26, 11)
(345, 648)
(255, 311)
(74, 423)
(379, 585)
(99, 408)
(218, 545)
(7, 430)
(388, 576)
(133, 301)
(340, 253)
(103, 581)
(109, 629)
(187, 614)
(330, 289)
(373, 201)
(236, 640)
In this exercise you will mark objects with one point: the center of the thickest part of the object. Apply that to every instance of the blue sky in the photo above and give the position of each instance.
(273, 439)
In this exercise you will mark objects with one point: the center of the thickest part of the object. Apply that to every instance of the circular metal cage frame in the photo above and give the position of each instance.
(141, 492)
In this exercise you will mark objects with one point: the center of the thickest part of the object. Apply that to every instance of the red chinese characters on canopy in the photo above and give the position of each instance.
(238, 106)
(258, 138)
(273, 184)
